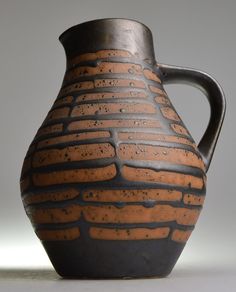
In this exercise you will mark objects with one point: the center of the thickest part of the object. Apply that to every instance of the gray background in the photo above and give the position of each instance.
(199, 34)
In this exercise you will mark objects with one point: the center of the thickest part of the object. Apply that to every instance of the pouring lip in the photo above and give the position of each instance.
(100, 20)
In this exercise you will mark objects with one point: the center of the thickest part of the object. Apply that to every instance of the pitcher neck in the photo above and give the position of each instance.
(109, 34)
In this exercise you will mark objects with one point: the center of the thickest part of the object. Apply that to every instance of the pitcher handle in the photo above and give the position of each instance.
(214, 93)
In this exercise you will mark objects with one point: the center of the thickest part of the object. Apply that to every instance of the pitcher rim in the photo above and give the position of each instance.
(74, 27)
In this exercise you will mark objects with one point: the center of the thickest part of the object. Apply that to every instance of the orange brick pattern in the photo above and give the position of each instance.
(111, 95)
(157, 153)
(58, 235)
(129, 234)
(113, 152)
(131, 195)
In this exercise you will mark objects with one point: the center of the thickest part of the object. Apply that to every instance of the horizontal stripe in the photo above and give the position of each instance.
(129, 195)
(165, 177)
(169, 113)
(157, 90)
(50, 196)
(102, 54)
(151, 75)
(62, 101)
(56, 235)
(26, 165)
(78, 86)
(162, 100)
(75, 176)
(73, 138)
(58, 114)
(73, 153)
(154, 137)
(181, 235)
(49, 130)
(111, 214)
(31, 149)
(115, 234)
(54, 215)
(103, 68)
(128, 234)
(99, 83)
(24, 184)
(110, 95)
(97, 124)
(119, 83)
(159, 153)
(191, 199)
(179, 129)
(140, 214)
(112, 108)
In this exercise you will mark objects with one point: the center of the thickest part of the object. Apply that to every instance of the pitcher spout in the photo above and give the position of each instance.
(110, 33)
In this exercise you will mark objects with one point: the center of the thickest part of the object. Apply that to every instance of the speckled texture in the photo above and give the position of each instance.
(113, 169)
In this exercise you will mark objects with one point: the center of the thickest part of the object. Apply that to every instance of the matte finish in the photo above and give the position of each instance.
(111, 33)
(211, 88)
(113, 259)
(113, 182)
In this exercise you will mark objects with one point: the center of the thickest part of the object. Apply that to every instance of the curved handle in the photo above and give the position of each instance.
(215, 96)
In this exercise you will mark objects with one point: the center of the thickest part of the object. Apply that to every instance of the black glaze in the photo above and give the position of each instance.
(112, 33)
(97, 258)
(113, 259)
(215, 95)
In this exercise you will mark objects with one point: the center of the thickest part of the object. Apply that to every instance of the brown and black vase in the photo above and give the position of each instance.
(113, 182)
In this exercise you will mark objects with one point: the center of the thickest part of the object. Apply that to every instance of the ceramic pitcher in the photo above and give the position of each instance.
(113, 181)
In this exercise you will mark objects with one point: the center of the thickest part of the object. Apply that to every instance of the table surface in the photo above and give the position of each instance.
(182, 279)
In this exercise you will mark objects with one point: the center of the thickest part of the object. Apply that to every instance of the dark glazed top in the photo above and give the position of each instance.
(110, 33)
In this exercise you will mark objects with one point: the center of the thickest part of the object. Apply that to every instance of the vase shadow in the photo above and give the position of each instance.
(28, 274)
(49, 274)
